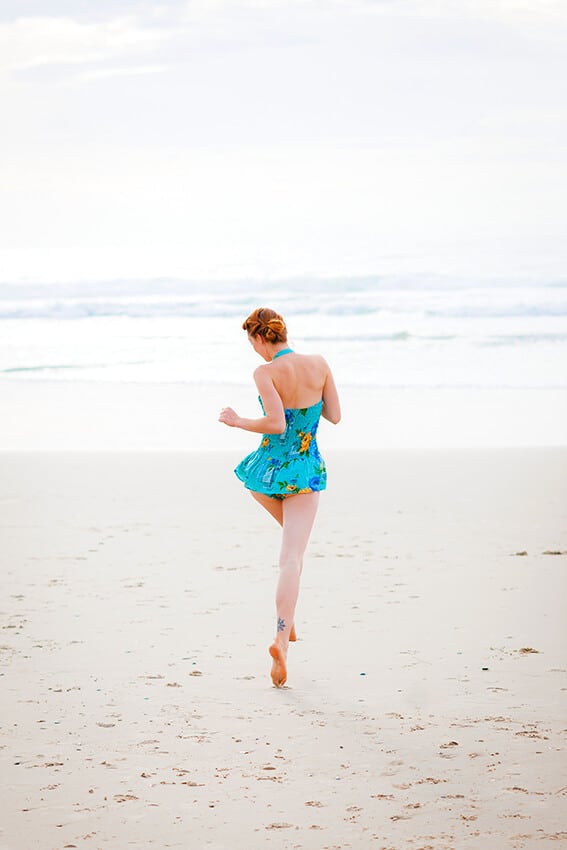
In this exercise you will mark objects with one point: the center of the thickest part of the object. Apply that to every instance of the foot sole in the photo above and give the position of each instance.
(279, 669)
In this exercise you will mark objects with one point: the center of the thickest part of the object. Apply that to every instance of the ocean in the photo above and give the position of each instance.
(380, 332)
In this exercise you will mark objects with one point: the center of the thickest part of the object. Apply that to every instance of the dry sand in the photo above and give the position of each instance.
(426, 705)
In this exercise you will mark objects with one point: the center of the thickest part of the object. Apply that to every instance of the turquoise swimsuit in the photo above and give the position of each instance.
(289, 463)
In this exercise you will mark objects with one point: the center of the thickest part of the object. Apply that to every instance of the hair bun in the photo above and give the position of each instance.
(274, 329)
(266, 323)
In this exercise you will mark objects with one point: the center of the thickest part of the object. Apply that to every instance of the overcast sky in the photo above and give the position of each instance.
(275, 137)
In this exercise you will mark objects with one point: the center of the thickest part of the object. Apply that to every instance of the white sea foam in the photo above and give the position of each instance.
(381, 332)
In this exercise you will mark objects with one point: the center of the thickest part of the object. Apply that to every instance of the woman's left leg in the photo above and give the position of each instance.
(298, 518)
(273, 506)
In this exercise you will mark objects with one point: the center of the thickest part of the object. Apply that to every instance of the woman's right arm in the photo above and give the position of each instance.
(331, 404)
(273, 422)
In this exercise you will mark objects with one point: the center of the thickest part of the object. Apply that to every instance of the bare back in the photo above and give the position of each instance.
(299, 379)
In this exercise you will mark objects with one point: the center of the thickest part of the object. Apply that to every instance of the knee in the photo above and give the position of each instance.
(290, 561)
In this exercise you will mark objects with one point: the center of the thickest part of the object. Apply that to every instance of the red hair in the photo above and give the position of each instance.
(266, 323)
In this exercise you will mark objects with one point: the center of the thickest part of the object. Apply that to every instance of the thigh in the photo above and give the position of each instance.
(273, 506)
(298, 518)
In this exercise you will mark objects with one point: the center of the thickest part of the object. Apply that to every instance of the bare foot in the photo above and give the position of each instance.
(292, 635)
(279, 670)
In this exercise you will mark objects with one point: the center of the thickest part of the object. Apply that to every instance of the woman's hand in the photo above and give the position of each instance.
(229, 417)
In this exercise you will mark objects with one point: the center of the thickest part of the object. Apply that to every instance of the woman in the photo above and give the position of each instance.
(286, 473)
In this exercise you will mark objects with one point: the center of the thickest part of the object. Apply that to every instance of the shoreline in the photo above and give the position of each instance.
(83, 416)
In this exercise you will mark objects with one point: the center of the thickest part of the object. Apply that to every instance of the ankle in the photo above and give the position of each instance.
(282, 642)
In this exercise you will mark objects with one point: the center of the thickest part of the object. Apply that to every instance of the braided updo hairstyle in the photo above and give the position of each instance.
(266, 323)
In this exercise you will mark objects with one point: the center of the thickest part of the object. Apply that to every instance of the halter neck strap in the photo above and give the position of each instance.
(282, 352)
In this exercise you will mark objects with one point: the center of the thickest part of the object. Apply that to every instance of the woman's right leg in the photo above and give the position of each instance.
(275, 508)
(298, 518)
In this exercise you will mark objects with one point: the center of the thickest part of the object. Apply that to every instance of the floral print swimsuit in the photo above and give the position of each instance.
(289, 463)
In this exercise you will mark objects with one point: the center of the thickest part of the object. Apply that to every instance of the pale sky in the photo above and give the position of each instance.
(222, 138)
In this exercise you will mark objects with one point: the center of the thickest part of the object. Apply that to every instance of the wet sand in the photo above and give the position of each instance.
(427, 691)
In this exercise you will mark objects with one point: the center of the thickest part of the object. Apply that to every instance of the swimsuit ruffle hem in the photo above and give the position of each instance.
(289, 463)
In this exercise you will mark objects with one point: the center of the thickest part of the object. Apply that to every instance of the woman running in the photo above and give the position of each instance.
(286, 473)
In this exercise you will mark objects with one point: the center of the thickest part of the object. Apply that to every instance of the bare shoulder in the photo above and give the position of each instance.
(318, 360)
(262, 374)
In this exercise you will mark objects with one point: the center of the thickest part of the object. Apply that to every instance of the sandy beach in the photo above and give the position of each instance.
(427, 690)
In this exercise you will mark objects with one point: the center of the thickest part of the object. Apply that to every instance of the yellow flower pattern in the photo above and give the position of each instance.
(288, 463)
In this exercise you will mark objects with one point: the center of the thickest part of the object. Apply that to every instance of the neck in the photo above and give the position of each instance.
(281, 351)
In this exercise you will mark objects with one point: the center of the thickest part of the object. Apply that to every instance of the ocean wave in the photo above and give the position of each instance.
(522, 339)
(248, 292)
(57, 367)
(105, 309)
(39, 368)
(504, 311)
(395, 336)
(403, 336)
(222, 309)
